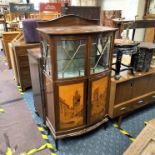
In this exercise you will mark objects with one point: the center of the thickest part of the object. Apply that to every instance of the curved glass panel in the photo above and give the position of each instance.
(100, 53)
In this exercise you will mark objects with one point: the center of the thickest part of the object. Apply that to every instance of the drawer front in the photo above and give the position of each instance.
(132, 105)
(150, 98)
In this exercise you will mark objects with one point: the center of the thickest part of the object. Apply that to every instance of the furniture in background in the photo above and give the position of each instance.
(49, 10)
(48, 15)
(7, 38)
(2, 21)
(2, 17)
(145, 141)
(149, 14)
(141, 61)
(76, 55)
(31, 35)
(45, 15)
(17, 13)
(124, 47)
(19, 54)
(20, 63)
(35, 64)
(88, 12)
(125, 24)
(107, 16)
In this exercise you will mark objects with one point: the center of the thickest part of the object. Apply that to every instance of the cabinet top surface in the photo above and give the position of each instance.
(69, 30)
(35, 52)
(23, 44)
(126, 75)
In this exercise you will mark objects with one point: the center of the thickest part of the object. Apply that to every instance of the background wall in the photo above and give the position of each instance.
(7, 1)
(86, 2)
(130, 8)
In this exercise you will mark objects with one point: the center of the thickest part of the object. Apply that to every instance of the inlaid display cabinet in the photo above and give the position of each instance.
(76, 55)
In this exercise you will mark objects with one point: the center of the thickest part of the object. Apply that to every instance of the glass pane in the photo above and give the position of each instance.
(46, 57)
(70, 58)
(100, 53)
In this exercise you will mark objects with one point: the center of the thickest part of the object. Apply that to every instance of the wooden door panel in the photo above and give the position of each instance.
(71, 105)
(152, 82)
(142, 86)
(98, 100)
(123, 92)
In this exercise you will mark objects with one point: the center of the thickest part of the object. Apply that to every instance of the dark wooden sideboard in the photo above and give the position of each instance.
(131, 92)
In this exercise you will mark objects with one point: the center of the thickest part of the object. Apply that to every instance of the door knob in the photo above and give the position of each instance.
(153, 96)
(124, 108)
(140, 102)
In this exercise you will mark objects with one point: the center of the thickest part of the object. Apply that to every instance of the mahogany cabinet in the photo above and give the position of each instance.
(76, 55)
(35, 64)
(131, 92)
(145, 141)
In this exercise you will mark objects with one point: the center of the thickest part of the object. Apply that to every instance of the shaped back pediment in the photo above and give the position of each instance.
(68, 20)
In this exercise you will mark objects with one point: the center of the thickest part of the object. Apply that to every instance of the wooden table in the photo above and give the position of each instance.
(122, 24)
(145, 142)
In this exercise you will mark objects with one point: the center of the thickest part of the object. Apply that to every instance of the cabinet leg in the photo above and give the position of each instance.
(56, 144)
(105, 125)
(120, 121)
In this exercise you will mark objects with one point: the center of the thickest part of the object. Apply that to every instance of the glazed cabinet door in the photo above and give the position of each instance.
(98, 100)
(71, 104)
(70, 57)
(100, 53)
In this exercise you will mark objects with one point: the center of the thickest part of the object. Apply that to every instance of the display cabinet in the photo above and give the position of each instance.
(76, 55)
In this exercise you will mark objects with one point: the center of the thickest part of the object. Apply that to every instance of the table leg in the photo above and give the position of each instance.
(57, 144)
(120, 121)
(118, 65)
